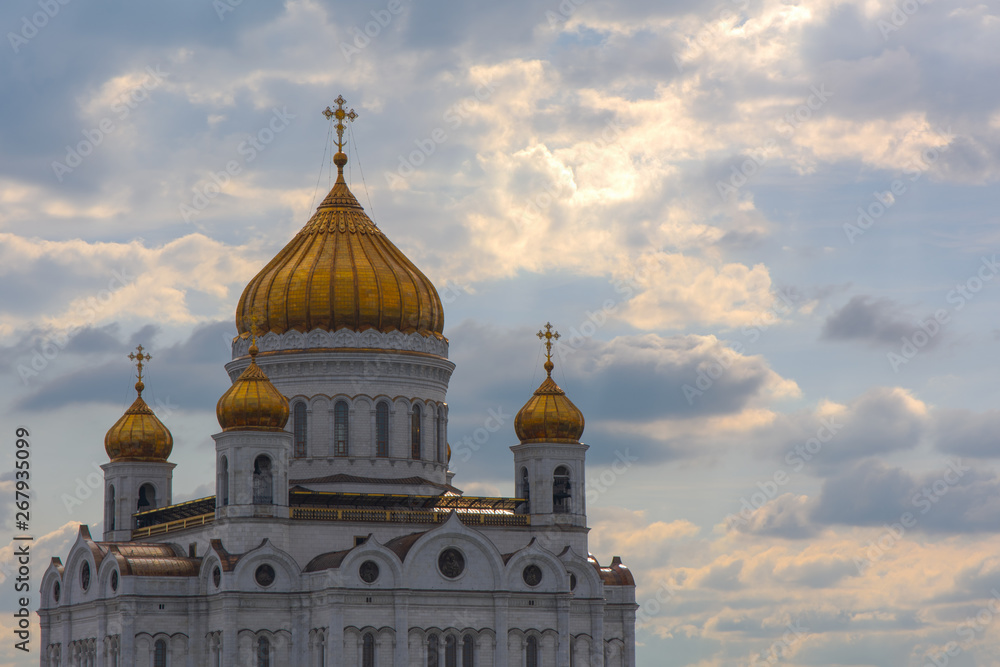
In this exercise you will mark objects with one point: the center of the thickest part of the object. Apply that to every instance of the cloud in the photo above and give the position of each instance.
(871, 320)
(967, 433)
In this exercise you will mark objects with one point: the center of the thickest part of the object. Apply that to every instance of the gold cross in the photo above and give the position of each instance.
(340, 114)
(254, 321)
(141, 358)
(548, 336)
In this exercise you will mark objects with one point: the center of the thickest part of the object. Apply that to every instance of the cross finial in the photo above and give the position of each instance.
(139, 358)
(548, 336)
(254, 321)
(340, 115)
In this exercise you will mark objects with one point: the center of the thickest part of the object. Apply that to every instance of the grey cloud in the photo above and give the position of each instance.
(967, 433)
(871, 320)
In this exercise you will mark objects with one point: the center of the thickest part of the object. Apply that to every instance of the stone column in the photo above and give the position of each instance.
(335, 642)
(597, 632)
(562, 625)
(500, 602)
(401, 650)
(230, 648)
(128, 611)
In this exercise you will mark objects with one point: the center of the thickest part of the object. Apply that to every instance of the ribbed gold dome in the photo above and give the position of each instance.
(549, 416)
(138, 435)
(339, 272)
(252, 403)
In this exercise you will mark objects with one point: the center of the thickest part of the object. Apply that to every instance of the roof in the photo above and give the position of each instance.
(616, 574)
(341, 478)
(169, 513)
(302, 497)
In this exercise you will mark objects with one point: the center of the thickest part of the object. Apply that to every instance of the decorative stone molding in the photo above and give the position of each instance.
(343, 339)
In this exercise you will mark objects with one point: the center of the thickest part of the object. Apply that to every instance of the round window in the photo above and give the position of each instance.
(85, 575)
(532, 575)
(368, 571)
(264, 575)
(451, 562)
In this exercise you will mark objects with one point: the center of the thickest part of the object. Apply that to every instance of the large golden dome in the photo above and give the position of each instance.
(138, 435)
(252, 403)
(339, 272)
(549, 416)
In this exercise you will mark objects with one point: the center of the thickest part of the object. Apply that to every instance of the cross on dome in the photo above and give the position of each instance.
(340, 115)
(548, 336)
(139, 358)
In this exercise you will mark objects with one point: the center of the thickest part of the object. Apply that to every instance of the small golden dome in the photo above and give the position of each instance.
(549, 416)
(138, 435)
(340, 272)
(252, 403)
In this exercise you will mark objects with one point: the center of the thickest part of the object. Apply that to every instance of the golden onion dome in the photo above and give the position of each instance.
(340, 272)
(549, 416)
(138, 435)
(252, 403)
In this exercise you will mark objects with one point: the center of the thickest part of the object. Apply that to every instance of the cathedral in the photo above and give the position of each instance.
(336, 537)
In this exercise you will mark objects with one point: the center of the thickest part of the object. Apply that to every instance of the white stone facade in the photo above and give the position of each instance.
(262, 579)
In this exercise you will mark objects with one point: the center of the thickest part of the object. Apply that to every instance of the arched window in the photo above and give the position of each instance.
(340, 429)
(382, 429)
(531, 652)
(147, 498)
(450, 651)
(263, 493)
(299, 428)
(415, 433)
(560, 490)
(368, 650)
(224, 481)
(468, 651)
(526, 490)
(263, 652)
(160, 653)
(110, 522)
(440, 435)
(433, 648)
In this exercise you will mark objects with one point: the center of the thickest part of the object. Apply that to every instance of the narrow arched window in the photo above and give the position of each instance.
(160, 653)
(340, 428)
(299, 428)
(433, 648)
(263, 491)
(561, 490)
(415, 433)
(531, 652)
(110, 523)
(526, 490)
(147, 498)
(224, 480)
(468, 651)
(450, 651)
(382, 429)
(263, 652)
(440, 435)
(368, 650)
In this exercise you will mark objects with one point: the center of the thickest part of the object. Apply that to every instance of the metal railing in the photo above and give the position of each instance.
(404, 516)
(171, 526)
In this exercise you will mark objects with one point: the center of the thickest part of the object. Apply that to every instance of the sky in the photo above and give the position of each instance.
(766, 230)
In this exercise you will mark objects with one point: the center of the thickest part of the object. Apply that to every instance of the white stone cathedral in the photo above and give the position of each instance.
(335, 537)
